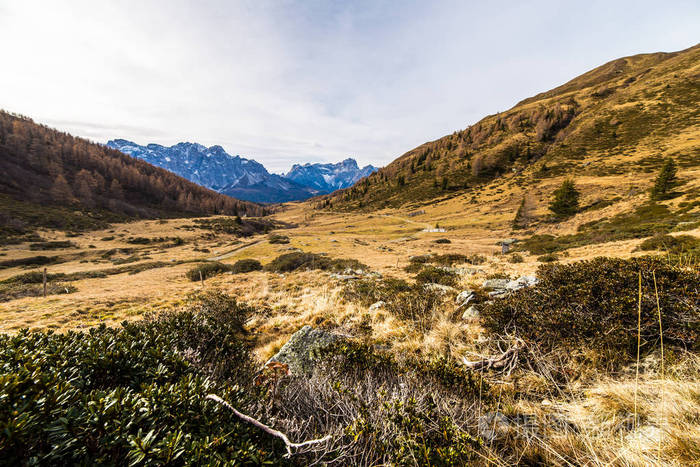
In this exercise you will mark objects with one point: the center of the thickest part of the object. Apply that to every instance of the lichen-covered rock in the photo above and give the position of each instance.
(303, 349)
(439, 288)
(377, 305)
(470, 314)
(464, 297)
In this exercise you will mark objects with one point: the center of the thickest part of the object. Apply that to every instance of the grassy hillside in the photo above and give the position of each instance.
(622, 117)
(54, 180)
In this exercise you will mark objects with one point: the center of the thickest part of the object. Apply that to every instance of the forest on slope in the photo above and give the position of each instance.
(51, 179)
(640, 107)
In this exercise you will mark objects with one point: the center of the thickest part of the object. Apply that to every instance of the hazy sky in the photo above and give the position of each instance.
(308, 81)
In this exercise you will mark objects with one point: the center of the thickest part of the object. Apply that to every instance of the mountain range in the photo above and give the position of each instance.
(242, 178)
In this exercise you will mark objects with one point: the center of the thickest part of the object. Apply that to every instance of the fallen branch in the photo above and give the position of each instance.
(289, 445)
(506, 360)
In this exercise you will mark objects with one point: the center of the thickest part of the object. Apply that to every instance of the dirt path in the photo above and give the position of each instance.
(234, 251)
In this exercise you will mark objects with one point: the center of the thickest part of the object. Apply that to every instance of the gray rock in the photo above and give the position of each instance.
(470, 313)
(303, 349)
(464, 298)
(377, 305)
(496, 283)
(345, 277)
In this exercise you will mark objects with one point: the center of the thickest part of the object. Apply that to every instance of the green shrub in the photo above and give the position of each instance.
(207, 270)
(516, 258)
(594, 304)
(673, 245)
(437, 275)
(665, 181)
(246, 265)
(277, 239)
(548, 258)
(442, 240)
(30, 261)
(57, 245)
(299, 260)
(132, 395)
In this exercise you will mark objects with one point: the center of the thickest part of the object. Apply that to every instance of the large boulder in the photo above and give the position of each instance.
(503, 287)
(303, 349)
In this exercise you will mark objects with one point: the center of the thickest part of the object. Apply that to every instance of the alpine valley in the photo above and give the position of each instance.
(246, 179)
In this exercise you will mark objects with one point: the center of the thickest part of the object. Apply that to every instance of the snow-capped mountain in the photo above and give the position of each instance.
(214, 168)
(327, 178)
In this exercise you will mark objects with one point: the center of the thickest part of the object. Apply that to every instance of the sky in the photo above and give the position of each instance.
(286, 82)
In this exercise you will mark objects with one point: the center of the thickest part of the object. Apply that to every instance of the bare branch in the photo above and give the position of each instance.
(266, 428)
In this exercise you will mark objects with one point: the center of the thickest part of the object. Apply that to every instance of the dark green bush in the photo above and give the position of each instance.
(246, 265)
(437, 275)
(298, 260)
(442, 240)
(277, 239)
(516, 258)
(57, 245)
(207, 270)
(132, 395)
(594, 304)
(30, 261)
(672, 245)
(548, 258)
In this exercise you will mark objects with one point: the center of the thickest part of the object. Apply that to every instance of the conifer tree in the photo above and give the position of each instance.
(665, 181)
(565, 202)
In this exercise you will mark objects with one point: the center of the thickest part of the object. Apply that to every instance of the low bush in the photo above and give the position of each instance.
(299, 260)
(442, 240)
(246, 265)
(207, 270)
(516, 258)
(57, 245)
(132, 395)
(594, 304)
(30, 261)
(415, 263)
(548, 258)
(672, 245)
(437, 275)
(277, 239)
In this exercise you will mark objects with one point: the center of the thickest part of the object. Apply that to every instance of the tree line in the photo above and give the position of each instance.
(43, 165)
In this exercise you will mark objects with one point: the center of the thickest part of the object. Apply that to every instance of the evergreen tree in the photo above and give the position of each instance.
(565, 202)
(665, 181)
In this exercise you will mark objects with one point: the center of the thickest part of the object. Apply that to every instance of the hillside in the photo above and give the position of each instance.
(52, 179)
(621, 117)
(214, 168)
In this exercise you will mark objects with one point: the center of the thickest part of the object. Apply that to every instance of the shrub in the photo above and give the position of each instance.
(30, 261)
(548, 258)
(516, 258)
(277, 239)
(298, 260)
(565, 202)
(132, 395)
(437, 275)
(442, 240)
(246, 265)
(673, 245)
(207, 270)
(57, 245)
(594, 304)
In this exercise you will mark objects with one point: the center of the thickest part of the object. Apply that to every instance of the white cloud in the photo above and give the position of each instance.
(286, 82)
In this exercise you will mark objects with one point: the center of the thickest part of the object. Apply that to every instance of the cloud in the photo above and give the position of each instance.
(304, 81)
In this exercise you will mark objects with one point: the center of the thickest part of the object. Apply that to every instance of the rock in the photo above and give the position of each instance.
(471, 313)
(416, 213)
(464, 297)
(434, 230)
(303, 349)
(377, 305)
(345, 277)
(333, 240)
(444, 289)
(495, 283)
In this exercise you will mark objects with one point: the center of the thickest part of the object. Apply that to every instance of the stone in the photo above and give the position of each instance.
(377, 305)
(496, 283)
(303, 349)
(470, 313)
(464, 297)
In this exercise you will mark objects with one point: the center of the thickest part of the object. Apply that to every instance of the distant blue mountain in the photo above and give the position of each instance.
(242, 178)
(327, 178)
